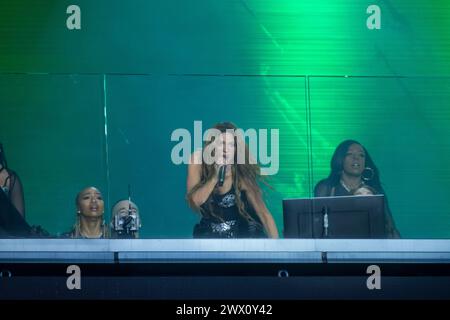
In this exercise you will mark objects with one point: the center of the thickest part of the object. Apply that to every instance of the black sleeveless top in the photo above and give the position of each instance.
(221, 218)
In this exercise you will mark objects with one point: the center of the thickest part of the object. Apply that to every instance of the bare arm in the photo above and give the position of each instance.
(199, 196)
(263, 213)
(322, 189)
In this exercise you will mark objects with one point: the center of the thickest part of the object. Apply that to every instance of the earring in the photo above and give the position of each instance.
(371, 174)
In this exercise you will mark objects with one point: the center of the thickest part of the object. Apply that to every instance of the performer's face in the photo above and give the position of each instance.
(355, 160)
(90, 203)
(227, 147)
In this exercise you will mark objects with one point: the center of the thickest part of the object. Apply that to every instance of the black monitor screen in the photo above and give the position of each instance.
(334, 217)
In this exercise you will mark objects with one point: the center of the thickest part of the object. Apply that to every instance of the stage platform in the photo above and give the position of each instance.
(224, 269)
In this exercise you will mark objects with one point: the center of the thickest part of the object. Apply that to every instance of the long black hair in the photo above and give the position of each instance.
(3, 163)
(371, 174)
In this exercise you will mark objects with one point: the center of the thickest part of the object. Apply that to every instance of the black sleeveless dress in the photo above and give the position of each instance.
(232, 224)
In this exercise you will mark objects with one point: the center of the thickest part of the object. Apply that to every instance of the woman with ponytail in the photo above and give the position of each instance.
(10, 184)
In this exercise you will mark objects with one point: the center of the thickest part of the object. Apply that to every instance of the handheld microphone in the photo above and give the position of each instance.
(222, 172)
(126, 221)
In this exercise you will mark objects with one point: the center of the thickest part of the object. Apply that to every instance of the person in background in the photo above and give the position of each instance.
(125, 220)
(352, 168)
